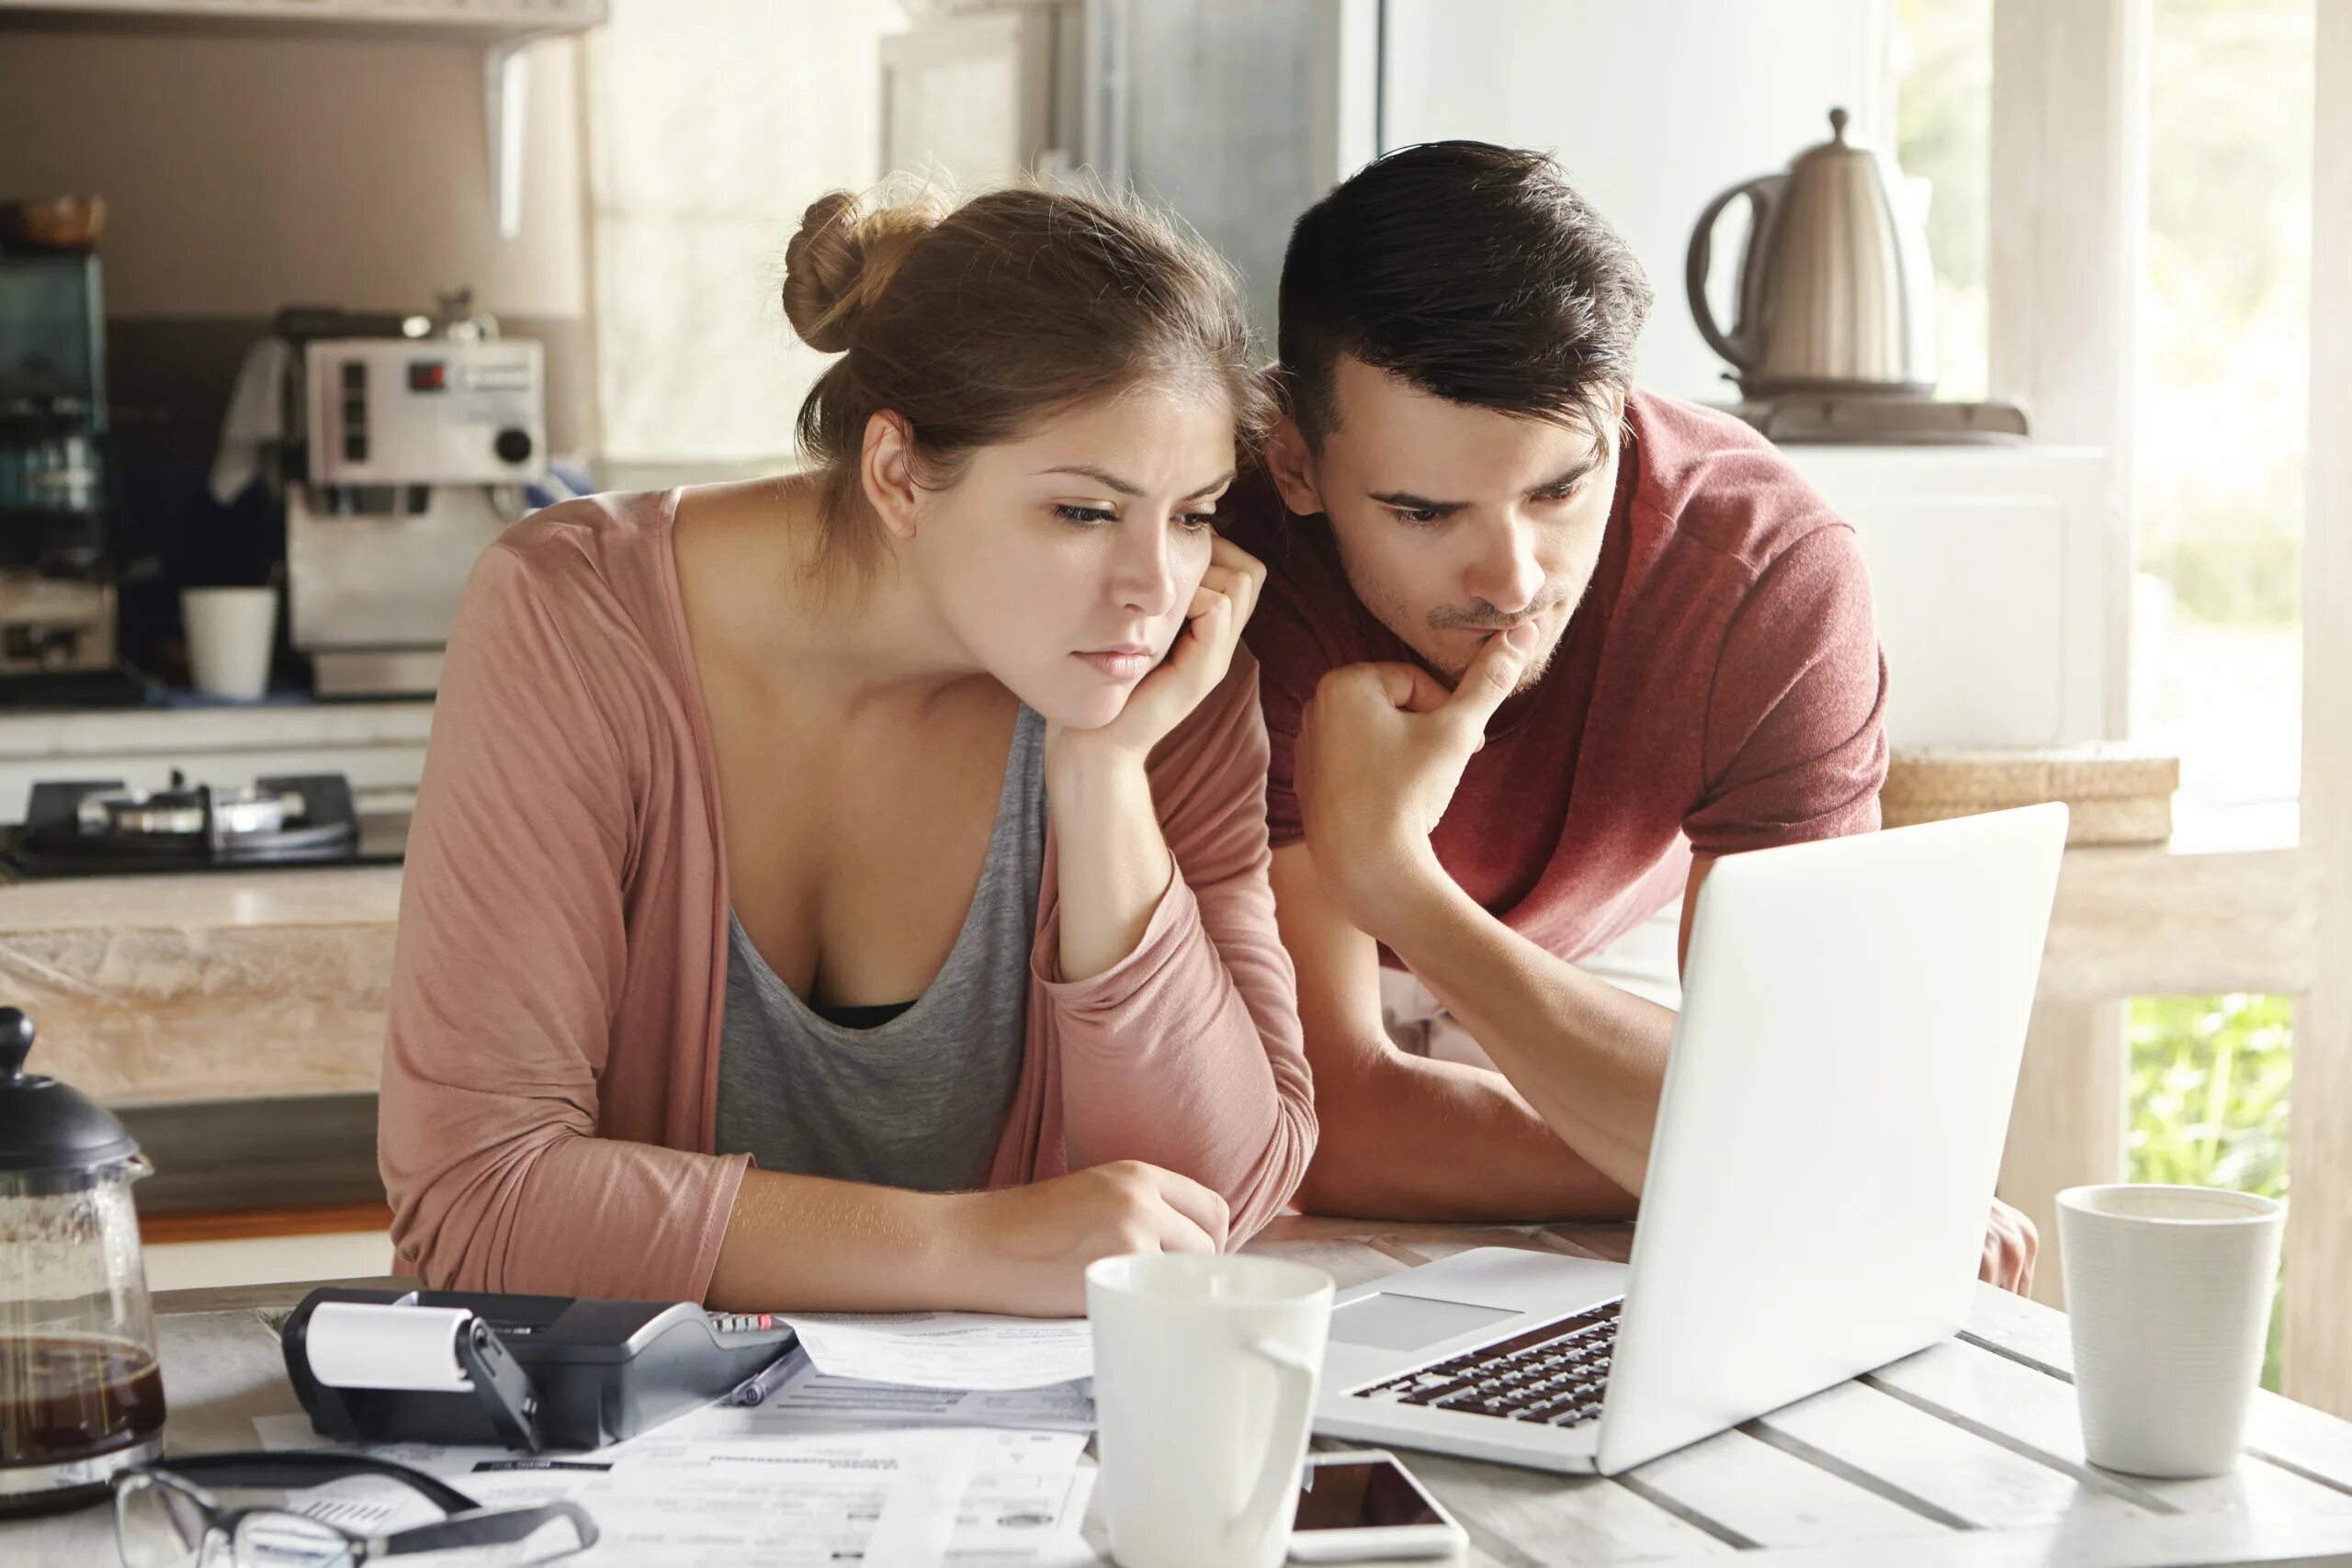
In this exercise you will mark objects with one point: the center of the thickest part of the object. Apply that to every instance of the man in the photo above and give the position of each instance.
(1536, 647)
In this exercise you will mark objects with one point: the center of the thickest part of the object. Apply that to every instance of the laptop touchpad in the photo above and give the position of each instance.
(1390, 1320)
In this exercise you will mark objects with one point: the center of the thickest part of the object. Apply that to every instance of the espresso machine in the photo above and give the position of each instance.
(416, 439)
(56, 593)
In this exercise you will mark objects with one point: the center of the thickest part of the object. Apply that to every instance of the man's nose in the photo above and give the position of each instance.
(1507, 574)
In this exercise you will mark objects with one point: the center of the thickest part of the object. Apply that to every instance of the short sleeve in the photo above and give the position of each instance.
(1290, 663)
(1307, 624)
(1795, 741)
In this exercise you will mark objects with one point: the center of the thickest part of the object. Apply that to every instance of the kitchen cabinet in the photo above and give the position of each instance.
(472, 18)
(2001, 579)
(503, 30)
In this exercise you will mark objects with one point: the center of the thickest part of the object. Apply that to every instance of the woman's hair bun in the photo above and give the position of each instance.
(839, 263)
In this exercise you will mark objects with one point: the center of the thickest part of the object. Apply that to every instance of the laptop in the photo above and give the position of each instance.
(1853, 1016)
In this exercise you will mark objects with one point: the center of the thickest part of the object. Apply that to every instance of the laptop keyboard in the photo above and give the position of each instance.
(1552, 1374)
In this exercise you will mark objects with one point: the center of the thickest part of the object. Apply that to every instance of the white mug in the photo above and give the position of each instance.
(1205, 1376)
(229, 634)
(2169, 1300)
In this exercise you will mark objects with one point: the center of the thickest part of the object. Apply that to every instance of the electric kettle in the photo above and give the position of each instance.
(1836, 292)
(81, 1391)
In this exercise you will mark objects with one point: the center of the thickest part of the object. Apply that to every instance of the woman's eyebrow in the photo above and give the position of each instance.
(1125, 487)
(1108, 481)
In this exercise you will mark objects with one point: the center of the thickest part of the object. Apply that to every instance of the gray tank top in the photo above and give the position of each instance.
(919, 1099)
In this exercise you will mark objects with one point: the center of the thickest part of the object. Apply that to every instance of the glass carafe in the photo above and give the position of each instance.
(80, 1391)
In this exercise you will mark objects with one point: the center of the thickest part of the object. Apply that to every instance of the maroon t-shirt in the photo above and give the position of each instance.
(1719, 687)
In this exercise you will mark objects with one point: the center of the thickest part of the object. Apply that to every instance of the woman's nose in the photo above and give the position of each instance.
(1145, 573)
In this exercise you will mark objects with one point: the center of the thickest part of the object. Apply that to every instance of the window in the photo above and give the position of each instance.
(2224, 373)
(2217, 505)
(2209, 1102)
(1943, 117)
(711, 124)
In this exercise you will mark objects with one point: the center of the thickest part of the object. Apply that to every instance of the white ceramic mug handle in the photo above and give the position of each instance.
(1291, 1410)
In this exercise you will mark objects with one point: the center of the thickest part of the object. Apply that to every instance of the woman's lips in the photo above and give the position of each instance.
(1127, 662)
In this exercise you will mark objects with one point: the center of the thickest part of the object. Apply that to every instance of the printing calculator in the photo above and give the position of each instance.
(530, 1372)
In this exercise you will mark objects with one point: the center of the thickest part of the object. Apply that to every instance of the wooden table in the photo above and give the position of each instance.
(1967, 1453)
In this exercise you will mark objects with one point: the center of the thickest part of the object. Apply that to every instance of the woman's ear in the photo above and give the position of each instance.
(1292, 464)
(886, 471)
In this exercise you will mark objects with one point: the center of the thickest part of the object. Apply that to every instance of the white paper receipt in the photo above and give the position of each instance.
(948, 1349)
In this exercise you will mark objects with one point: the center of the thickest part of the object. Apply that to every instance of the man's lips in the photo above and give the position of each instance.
(1488, 628)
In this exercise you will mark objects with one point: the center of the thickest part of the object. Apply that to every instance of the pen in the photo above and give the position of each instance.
(761, 1383)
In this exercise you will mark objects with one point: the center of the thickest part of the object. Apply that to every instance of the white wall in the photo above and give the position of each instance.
(1653, 108)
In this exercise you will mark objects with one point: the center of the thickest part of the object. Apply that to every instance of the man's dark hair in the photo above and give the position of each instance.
(1473, 272)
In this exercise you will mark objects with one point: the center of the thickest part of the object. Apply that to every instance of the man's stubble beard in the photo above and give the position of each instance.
(1395, 617)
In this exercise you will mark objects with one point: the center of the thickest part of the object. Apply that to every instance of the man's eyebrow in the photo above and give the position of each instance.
(1125, 487)
(1571, 475)
(1405, 501)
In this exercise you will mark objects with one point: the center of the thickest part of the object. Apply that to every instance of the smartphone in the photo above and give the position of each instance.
(1363, 1503)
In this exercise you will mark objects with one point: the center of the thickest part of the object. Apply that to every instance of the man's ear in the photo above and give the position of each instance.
(886, 471)
(1292, 464)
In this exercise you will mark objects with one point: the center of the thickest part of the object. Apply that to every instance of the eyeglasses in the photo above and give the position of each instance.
(166, 1518)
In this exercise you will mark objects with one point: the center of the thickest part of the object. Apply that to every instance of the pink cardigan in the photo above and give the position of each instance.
(550, 1075)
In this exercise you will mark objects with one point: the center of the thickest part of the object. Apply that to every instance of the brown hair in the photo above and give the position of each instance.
(1473, 272)
(974, 323)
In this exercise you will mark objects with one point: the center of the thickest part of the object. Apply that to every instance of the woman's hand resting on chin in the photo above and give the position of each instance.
(1196, 661)
(1114, 862)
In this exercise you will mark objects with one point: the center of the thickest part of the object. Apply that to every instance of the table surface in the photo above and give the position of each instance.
(1968, 1452)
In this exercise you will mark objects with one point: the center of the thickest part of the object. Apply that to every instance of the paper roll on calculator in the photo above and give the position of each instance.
(412, 1348)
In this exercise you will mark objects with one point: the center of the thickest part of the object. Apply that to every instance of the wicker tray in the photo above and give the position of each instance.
(2119, 794)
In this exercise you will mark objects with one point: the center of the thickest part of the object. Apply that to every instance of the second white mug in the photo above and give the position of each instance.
(2168, 1302)
(1205, 1376)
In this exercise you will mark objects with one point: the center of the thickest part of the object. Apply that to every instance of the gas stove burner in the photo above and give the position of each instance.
(181, 810)
(97, 826)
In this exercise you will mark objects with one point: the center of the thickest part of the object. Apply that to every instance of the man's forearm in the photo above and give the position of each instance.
(1408, 1138)
(1589, 1058)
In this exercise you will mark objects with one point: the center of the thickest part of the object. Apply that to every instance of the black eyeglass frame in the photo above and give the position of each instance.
(470, 1525)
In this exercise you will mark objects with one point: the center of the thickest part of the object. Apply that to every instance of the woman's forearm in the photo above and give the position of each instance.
(1112, 863)
(808, 1242)
(802, 1243)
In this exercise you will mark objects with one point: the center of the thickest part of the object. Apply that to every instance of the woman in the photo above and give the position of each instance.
(849, 889)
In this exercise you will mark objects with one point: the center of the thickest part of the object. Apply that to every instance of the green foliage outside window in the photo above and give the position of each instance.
(2209, 1101)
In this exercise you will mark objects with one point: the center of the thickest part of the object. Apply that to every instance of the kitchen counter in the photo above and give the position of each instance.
(278, 722)
(210, 987)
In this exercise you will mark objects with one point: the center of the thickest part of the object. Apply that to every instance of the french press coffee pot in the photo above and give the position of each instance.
(81, 1395)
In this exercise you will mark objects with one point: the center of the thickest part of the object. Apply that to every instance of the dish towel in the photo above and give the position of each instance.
(255, 420)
